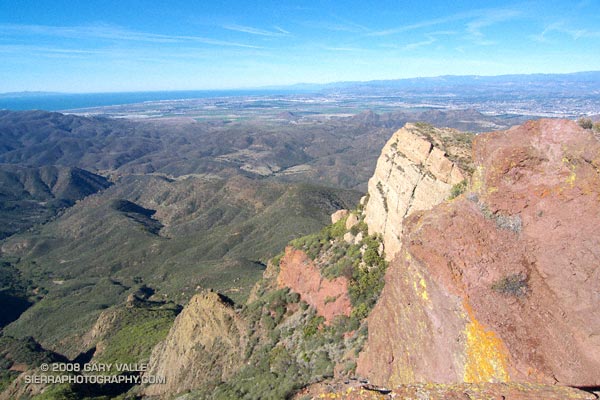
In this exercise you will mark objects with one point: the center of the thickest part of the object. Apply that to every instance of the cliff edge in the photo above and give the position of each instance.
(502, 283)
(417, 169)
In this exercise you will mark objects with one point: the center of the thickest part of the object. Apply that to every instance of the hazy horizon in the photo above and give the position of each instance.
(289, 87)
(134, 46)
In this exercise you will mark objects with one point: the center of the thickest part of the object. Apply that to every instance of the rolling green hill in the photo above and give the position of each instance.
(339, 151)
(97, 209)
(32, 195)
(176, 236)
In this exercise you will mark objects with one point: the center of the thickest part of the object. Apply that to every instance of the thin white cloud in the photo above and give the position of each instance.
(343, 49)
(477, 20)
(335, 27)
(30, 49)
(280, 29)
(541, 37)
(256, 31)
(351, 24)
(423, 43)
(559, 27)
(418, 25)
(489, 18)
(338, 24)
(134, 52)
(430, 38)
(110, 33)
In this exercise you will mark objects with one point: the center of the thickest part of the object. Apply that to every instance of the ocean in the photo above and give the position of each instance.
(65, 101)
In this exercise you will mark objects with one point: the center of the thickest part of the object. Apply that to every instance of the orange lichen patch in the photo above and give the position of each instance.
(545, 192)
(486, 355)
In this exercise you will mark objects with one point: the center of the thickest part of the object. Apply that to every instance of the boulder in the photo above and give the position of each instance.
(338, 215)
(349, 238)
(351, 221)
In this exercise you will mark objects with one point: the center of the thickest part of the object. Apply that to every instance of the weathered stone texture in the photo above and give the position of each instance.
(501, 284)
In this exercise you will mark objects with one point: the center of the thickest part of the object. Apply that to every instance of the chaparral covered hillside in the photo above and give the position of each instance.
(470, 269)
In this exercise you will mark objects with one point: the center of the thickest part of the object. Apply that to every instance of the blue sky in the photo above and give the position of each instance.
(99, 46)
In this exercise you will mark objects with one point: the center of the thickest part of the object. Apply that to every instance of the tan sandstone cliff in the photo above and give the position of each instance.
(503, 283)
(413, 173)
(205, 344)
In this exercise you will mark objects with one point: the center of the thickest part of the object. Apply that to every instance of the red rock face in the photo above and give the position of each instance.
(502, 284)
(500, 391)
(329, 297)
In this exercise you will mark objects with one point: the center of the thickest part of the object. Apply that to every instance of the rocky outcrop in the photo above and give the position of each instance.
(205, 344)
(413, 173)
(351, 220)
(24, 387)
(338, 215)
(502, 283)
(102, 328)
(482, 391)
(328, 296)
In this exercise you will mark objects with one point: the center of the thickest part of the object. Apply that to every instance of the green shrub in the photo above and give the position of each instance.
(367, 281)
(139, 331)
(513, 285)
(344, 260)
(371, 256)
(383, 197)
(336, 230)
(58, 392)
(312, 326)
(316, 243)
(6, 378)
(361, 207)
(509, 222)
(350, 367)
(276, 259)
(585, 123)
(323, 365)
(292, 298)
(458, 189)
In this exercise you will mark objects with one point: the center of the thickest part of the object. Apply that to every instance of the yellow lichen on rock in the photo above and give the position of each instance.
(572, 166)
(486, 354)
(424, 294)
(477, 179)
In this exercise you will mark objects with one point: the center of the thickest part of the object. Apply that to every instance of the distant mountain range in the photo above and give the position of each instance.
(587, 77)
(27, 94)
(576, 83)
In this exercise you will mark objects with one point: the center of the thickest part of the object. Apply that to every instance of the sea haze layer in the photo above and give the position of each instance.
(72, 101)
